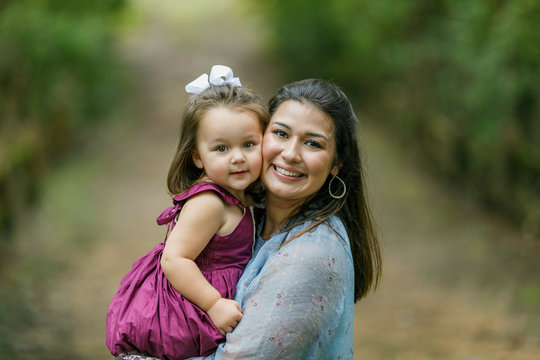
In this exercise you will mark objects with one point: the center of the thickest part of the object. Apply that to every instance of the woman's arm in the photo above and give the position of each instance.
(293, 307)
(201, 217)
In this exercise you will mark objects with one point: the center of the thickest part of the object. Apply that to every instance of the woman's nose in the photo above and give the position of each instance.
(290, 152)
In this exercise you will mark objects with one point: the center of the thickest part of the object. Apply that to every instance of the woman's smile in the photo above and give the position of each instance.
(287, 172)
(298, 152)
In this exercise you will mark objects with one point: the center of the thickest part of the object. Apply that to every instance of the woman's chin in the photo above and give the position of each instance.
(281, 190)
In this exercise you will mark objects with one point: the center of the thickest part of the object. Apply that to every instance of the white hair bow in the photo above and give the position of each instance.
(219, 75)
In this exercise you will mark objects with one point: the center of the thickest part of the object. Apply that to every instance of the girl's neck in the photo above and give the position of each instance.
(277, 213)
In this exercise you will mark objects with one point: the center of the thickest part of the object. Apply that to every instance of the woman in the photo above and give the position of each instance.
(316, 252)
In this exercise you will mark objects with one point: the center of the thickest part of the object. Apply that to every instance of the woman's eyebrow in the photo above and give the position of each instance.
(317, 135)
(283, 124)
(308, 134)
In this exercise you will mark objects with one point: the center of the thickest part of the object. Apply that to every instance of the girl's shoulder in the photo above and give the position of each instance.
(202, 187)
(206, 198)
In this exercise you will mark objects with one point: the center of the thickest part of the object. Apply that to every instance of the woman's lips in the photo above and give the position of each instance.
(287, 172)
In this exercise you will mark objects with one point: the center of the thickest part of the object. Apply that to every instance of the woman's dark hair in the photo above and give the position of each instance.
(183, 172)
(352, 209)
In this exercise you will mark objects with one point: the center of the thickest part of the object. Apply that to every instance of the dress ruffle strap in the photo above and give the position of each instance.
(168, 215)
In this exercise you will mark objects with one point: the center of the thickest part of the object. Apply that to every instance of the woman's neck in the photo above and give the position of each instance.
(277, 213)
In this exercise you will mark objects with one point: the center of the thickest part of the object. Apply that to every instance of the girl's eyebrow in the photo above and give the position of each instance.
(224, 140)
(308, 134)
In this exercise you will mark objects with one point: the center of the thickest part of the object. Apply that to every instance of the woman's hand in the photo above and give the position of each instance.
(225, 315)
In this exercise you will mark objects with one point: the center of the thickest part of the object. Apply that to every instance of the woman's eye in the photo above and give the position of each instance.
(280, 133)
(313, 144)
(221, 148)
(249, 144)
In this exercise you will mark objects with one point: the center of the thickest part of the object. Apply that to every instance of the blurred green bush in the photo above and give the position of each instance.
(58, 76)
(455, 80)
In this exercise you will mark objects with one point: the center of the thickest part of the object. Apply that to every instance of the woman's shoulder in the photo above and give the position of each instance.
(329, 237)
(319, 253)
(328, 230)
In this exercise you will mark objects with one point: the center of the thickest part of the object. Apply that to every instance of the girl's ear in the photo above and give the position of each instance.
(196, 159)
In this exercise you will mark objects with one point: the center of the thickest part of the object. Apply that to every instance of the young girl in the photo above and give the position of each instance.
(175, 303)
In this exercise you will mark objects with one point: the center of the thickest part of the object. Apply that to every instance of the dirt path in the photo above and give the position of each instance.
(437, 299)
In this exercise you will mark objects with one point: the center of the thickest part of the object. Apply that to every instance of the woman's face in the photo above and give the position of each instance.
(298, 151)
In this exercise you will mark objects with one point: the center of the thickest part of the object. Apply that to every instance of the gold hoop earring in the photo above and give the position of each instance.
(330, 188)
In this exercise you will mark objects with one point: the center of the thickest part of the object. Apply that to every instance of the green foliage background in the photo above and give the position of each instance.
(455, 80)
(58, 77)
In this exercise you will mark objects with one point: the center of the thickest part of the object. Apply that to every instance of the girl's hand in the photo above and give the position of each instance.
(225, 315)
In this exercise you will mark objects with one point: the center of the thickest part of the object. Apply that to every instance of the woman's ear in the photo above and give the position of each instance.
(335, 169)
(196, 159)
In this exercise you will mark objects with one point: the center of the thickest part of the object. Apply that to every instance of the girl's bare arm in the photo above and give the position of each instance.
(201, 217)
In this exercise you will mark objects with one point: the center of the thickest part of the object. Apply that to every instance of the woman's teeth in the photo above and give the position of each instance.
(287, 172)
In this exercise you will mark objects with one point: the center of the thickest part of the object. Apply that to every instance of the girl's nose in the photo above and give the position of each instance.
(237, 156)
(290, 152)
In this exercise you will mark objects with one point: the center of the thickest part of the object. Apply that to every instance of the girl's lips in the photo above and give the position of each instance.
(286, 172)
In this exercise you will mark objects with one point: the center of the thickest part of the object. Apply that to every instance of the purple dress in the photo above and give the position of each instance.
(149, 316)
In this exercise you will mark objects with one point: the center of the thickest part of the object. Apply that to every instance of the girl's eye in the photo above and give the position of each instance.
(249, 144)
(221, 148)
(280, 133)
(313, 144)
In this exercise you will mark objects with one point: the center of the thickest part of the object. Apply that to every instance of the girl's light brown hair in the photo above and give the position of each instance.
(183, 173)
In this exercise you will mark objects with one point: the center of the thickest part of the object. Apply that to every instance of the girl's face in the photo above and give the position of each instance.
(228, 148)
(298, 151)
